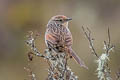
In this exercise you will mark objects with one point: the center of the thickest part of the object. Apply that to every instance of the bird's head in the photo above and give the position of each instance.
(61, 19)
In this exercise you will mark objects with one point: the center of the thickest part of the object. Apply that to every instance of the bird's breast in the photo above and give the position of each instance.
(58, 35)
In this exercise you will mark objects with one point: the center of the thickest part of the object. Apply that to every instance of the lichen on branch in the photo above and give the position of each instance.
(58, 67)
(103, 70)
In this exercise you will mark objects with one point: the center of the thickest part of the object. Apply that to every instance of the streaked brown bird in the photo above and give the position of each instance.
(59, 38)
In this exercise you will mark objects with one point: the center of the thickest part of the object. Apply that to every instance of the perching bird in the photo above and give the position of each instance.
(59, 38)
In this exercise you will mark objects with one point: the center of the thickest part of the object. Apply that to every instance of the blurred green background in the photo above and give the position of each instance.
(17, 17)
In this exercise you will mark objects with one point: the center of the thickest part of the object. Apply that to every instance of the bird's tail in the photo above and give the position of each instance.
(77, 58)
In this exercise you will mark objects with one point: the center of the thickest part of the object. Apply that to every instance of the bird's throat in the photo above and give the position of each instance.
(65, 24)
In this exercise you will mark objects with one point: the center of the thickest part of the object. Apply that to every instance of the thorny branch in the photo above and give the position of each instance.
(103, 70)
(58, 67)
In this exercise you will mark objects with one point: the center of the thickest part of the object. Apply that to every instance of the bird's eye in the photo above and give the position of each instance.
(60, 20)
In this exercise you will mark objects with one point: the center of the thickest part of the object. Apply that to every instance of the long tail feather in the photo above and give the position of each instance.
(77, 58)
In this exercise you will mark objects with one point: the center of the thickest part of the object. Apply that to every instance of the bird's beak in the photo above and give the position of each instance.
(68, 19)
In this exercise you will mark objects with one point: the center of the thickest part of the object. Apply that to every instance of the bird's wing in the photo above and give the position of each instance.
(68, 38)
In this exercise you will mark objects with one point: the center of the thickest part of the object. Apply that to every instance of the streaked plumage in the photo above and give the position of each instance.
(59, 38)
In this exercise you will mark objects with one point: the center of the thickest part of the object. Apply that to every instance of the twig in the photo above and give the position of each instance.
(58, 67)
(107, 46)
(90, 39)
(109, 42)
(103, 70)
(31, 43)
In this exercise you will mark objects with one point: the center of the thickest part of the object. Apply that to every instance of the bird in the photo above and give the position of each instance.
(59, 38)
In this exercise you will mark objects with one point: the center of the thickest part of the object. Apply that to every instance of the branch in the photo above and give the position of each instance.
(107, 45)
(58, 67)
(90, 40)
(31, 43)
(103, 70)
